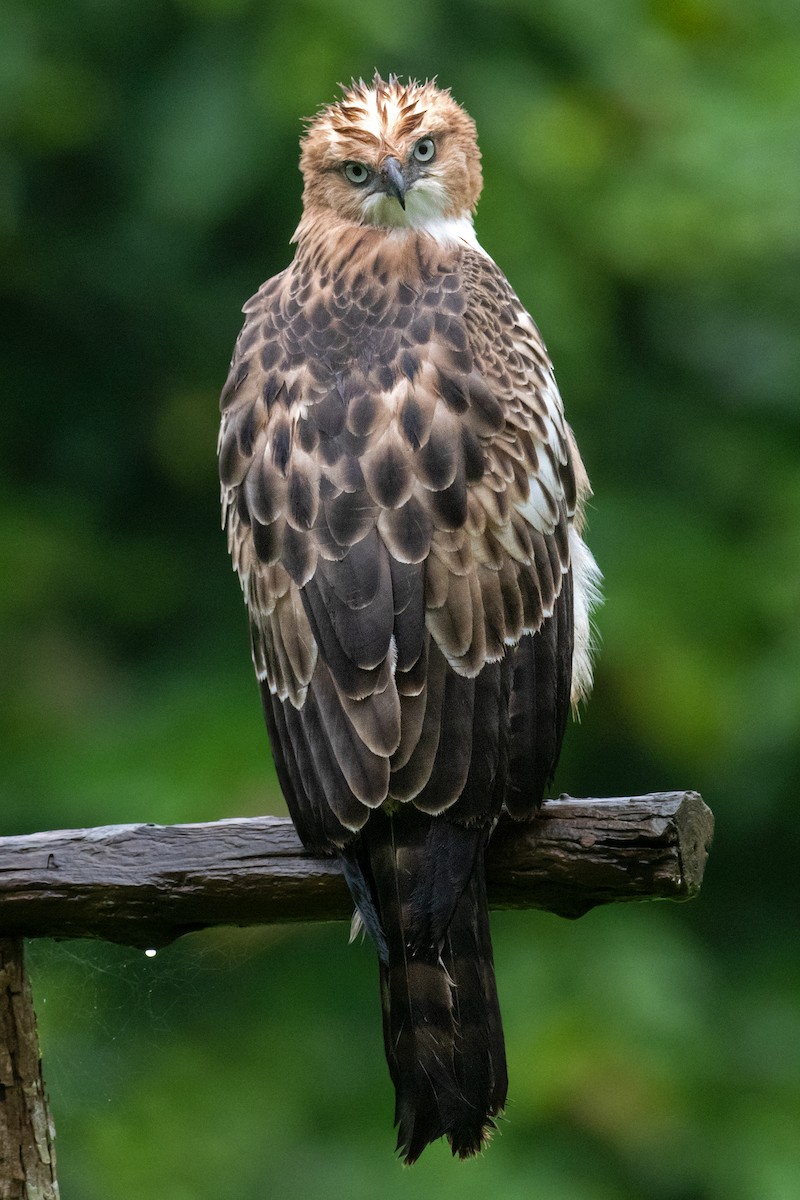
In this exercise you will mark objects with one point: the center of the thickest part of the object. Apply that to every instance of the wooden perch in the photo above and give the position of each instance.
(145, 885)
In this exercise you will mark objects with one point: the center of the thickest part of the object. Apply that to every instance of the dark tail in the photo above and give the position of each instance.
(441, 1020)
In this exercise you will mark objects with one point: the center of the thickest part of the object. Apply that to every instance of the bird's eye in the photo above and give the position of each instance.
(424, 150)
(356, 172)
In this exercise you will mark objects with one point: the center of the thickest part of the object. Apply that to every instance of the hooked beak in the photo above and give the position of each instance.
(392, 180)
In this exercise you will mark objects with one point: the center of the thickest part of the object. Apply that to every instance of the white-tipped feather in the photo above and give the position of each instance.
(586, 580)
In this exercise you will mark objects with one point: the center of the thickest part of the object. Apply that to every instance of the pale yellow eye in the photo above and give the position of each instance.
(356, 172)
(424, 150)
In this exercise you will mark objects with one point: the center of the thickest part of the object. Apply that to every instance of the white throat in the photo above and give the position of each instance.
(425, 202)
(449, 231)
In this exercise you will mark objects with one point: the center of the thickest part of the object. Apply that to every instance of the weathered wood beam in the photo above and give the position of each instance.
(27, 1156)
(145, 885)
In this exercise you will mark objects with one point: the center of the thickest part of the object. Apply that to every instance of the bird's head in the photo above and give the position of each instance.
(391, 154)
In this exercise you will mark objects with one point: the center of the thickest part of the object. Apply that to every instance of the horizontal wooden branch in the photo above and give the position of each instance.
(145, 885)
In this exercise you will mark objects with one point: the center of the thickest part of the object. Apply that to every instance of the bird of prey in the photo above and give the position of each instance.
(403, 501)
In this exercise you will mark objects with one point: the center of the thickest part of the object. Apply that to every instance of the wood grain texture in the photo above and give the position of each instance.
(27, 1156)
(145, 885)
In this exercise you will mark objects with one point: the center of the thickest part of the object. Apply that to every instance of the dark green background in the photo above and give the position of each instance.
(643, 195)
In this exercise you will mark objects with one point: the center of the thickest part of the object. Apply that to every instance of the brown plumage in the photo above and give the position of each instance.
(403, 501)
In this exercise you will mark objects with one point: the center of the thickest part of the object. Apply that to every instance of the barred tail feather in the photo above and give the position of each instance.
(480, 1047)
(441, 1020)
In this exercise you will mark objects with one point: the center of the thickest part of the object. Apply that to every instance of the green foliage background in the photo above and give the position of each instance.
(643, 195)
